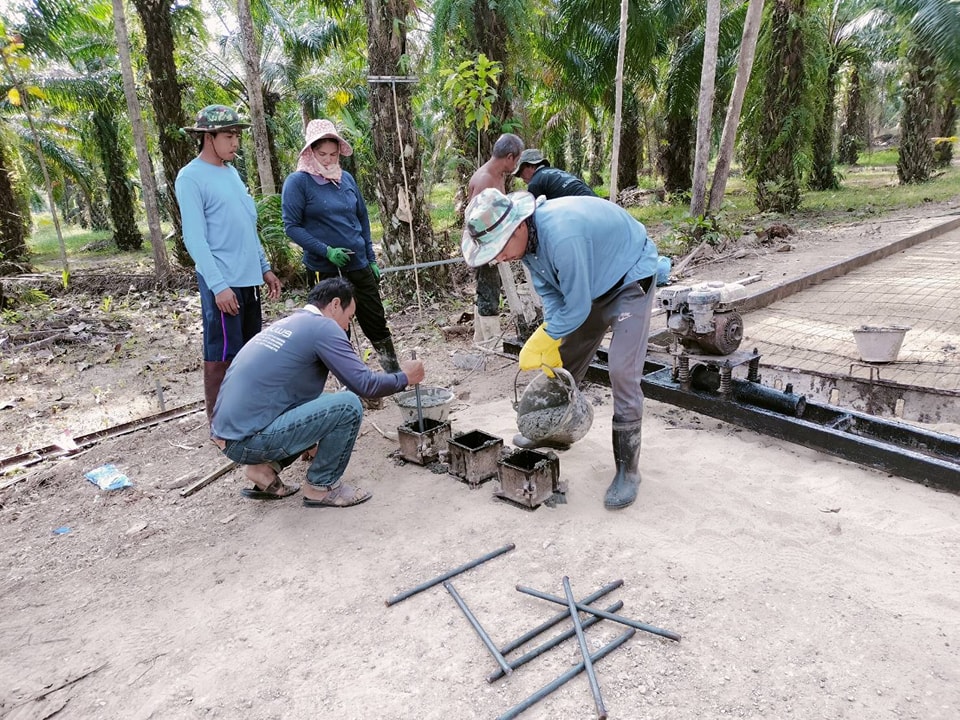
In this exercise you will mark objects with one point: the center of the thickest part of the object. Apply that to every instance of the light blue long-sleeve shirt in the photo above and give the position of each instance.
(220, 226)
(586, 245)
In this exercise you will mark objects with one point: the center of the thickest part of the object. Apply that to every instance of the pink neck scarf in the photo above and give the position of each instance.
(308, 163)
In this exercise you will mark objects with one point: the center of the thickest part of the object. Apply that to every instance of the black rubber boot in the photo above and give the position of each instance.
(626, 454)
(213, 373)
(387, 355)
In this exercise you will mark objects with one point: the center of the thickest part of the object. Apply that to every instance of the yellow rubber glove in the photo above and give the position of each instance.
(541, 350)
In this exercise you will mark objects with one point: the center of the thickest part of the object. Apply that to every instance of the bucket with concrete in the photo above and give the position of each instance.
(552, 411)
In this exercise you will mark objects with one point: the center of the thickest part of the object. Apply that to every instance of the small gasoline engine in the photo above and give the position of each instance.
(703, 317)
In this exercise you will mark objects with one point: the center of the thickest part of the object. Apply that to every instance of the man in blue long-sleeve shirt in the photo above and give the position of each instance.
(593, 266)
(272, 406)
(220, 233)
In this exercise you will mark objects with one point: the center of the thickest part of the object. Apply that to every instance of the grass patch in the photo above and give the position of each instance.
(878, 158)
(869, 193)
(45, 247)
(83, 246)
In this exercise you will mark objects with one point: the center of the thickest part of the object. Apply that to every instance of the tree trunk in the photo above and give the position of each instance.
(126, 234)
(596, 156)
(945, 117)
(166, 100)
(577, 147)
(14, 255)
(777, 175)
(853, 132)
(618, 100)
(631, 142)
(251, 66)
(748, 47)
(675, 161)
(492, 41)
(708, 76)
(270, 101)
(408, 234)
(148, 182)
(822, 175)
(915, 162)
(555, 148)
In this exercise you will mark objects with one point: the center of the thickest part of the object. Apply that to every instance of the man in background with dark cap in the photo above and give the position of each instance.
(541, 179)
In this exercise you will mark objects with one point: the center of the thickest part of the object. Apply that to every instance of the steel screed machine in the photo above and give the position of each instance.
(708, 330)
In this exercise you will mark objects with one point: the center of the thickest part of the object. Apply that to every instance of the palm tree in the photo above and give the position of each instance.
(148, 182)
(301, 60)
(853, 131)
(932, 28)
(851, 39)
(81, 37)
(407, 229)
(783, 112)
(745, 56)
(582, 62)
(464, 30)
(14, 255)
(166, 98)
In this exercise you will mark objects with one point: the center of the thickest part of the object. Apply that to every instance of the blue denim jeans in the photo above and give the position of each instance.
(332, 420)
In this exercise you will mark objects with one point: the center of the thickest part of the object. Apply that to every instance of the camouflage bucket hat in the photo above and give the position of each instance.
(530, 156)
(491, 217)
(214, 118)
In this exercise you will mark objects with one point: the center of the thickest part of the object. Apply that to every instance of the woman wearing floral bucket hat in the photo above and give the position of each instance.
(324, 213)
(593, 266)
(220, 233)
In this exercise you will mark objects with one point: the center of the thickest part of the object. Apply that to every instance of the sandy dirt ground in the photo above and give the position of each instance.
(803, 586)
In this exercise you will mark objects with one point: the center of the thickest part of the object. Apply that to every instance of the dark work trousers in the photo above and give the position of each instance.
(488, 290)
(366, 292)
(224, 335)
(626, 311)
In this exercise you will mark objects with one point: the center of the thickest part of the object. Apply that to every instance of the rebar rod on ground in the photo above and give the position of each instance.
(584, 650)
(566, 677)
(669, 634)
(558, 618)
(207, 479)
(501, 661)
(551, 643)
(449, 574)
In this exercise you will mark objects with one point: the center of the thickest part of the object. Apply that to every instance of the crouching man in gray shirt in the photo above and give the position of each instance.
(272, 408)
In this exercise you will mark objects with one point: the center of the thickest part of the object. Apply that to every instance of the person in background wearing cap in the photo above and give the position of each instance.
(220, 233)
(492, 174)
(593, 266)
(324, 213)
(273, 408)
(541, 179)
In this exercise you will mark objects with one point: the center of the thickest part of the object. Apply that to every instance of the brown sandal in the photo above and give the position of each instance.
(341, 496)
(276, 490)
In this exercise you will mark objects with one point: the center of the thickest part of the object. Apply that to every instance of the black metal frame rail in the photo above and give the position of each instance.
(925, 457)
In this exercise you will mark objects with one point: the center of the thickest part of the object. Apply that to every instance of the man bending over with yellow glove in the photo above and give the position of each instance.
(593, 266)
